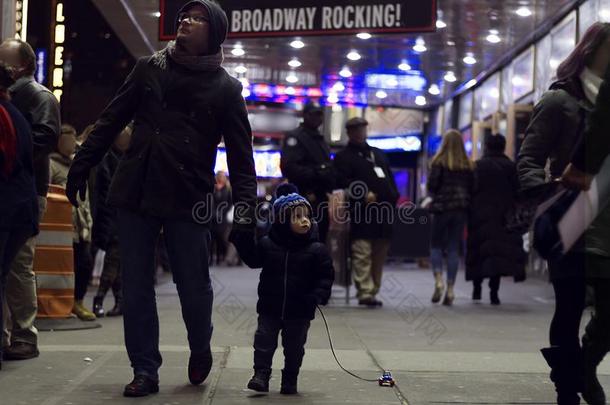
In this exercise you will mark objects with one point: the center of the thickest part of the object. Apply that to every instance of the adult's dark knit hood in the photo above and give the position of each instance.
(219, 22)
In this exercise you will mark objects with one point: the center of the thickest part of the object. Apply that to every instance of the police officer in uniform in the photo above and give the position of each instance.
(306, 163)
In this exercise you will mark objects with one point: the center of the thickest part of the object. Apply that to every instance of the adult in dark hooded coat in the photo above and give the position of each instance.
(182, 103)
(493, 251)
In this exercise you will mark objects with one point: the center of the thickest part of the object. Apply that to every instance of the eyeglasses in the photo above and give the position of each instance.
(197, 19)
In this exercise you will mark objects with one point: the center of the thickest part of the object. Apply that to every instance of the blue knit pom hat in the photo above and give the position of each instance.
(287, 197)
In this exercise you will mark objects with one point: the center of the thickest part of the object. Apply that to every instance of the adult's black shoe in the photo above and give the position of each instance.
(21, 351)
(199, 367)
(370, 302)
(141, 386)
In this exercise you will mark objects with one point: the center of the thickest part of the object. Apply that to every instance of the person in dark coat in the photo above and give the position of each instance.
(297, 275)
(492, 251)
(306, 163)
(557, 127)
(365, 172)
(40, 109)
(18, 205)
(182, 103)
(450, 183)
(106, 229)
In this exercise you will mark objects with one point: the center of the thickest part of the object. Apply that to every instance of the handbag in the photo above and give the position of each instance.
(520, 217)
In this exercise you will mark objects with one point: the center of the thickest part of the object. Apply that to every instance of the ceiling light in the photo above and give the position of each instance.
(420, 45)
(469, 59)
(404, 66)
(297, 44)
(493, 37)
(450, 77)
(420, 100)
(440, 24)
(157, 14)
(245, 93)
(295, 63)
(364, 35)
(238, 51)
(523, 12)
(470, 83)
(290, 91)
(353, 55)
(292, 78)
(241, 69)
(345, 72)
(333, 98)
(381, 94)
(339, 86)
(434, 90)
(450, 43)
(604, 14)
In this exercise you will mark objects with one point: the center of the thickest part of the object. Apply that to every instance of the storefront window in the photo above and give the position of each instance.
(465, 118)
(487, 98)
(523, 74)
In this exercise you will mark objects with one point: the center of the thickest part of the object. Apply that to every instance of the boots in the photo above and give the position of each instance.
(289, 383)
(493, 297)
(98, 306)
(81, 312)
(117, 310)
(476, 292)
(592, 392)
(438, 287)
(449, 295)
(260, 380)
(565, 369)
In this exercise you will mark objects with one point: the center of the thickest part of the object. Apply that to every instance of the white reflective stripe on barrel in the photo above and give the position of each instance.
(54, 238)
(55, 281)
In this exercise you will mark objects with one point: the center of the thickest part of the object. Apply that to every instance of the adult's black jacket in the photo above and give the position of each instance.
(40, 109)
(105, 226)
(492, 250)
(297, 273)
(355, 165)
(306, 162)
(179, 118)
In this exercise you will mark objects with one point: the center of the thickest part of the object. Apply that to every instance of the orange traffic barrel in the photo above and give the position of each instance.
(54, 258)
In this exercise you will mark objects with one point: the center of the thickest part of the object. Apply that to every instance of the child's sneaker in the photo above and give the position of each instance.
(289, 383)
(260, 381)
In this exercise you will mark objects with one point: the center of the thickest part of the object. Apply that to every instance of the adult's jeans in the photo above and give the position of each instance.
(187, 247)
(10, 243)
(447, 231)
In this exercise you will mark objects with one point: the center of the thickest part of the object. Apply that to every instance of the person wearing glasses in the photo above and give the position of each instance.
(182, 103)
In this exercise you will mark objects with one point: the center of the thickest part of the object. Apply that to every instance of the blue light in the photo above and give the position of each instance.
(41, 66)
(411, 80)
(396, 143)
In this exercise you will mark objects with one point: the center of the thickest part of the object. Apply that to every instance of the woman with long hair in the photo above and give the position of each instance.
(557, 126)
(449, 185)
(18, 205)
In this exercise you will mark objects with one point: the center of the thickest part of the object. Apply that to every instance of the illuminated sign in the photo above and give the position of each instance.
(267, 18)
(266, 163)
(397, 143)
(41, 66)
(412, 80)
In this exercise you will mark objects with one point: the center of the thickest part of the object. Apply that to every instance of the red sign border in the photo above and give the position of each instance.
(427, 28)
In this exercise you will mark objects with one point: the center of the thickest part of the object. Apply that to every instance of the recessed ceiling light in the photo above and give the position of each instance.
(523, 12)
(290, 91)
(339, 86)
(157, 14)
(440, 24)
(450, 77)
(333, 98)
(241, 69)
(404, 66)
(420, 100)
(353, 55)
(420, 45)
(345, 72)
(469, 59)
(297, 44)
(238, 51)
(364, 35)
(493, 37)
(434, 90)
(295, 63)
(292, 78)
(470, 83)
(381, 94)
